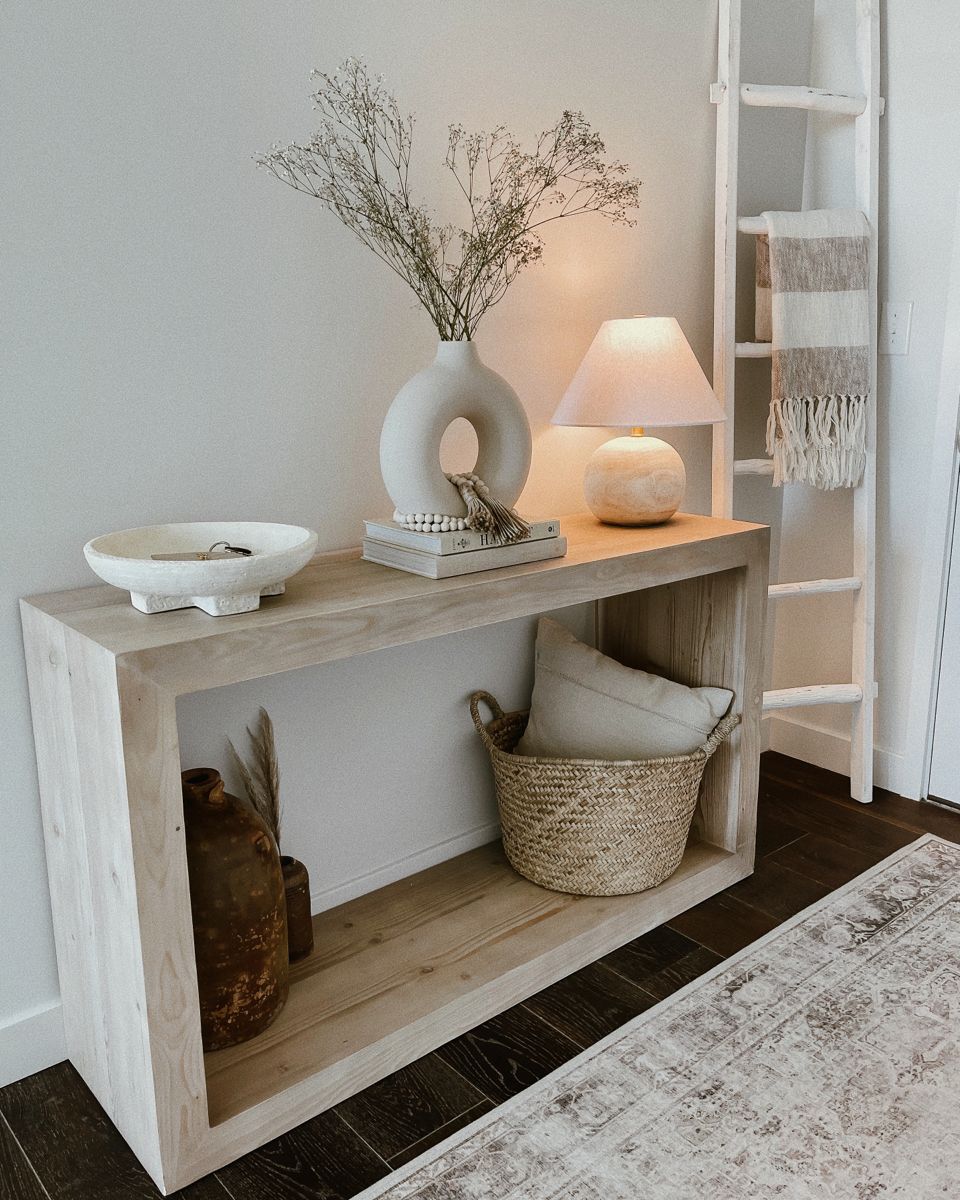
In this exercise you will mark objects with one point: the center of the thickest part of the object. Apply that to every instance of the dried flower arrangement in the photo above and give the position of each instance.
(261, 781)
(261, 775)
(358, 165)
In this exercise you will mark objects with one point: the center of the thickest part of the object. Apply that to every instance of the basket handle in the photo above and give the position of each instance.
(721, 733)
(494, 707)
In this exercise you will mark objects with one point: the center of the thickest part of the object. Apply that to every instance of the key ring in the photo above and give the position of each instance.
(241, 550)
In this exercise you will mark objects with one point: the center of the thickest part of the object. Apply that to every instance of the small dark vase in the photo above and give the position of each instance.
(239, 912)
(296, 881)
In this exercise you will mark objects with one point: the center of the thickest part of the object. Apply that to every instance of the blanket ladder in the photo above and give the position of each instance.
(864, 108)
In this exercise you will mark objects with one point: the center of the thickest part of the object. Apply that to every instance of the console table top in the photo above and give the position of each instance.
(340, 605)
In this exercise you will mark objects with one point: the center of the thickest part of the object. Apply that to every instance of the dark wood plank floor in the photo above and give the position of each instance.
(56, 1143)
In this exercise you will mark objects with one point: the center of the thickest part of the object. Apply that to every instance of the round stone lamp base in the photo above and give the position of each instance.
(634, 481)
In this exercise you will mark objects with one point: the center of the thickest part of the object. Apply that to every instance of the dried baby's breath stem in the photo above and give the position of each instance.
(357, 165)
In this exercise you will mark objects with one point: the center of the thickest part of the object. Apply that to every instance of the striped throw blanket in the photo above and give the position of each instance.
(813, 304)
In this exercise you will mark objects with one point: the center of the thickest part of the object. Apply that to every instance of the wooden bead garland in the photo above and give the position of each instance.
(442, 522)
(430, 522)
(484, 513)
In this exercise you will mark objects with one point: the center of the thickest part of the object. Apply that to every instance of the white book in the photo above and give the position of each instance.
(454, 542)
(444, 566)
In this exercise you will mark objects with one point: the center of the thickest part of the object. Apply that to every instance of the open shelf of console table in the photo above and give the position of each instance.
(401, 970)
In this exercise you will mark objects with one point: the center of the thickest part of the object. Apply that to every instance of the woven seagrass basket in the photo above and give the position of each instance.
(591, 827)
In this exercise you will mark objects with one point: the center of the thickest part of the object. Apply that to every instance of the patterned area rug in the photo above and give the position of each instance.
(822, 1061)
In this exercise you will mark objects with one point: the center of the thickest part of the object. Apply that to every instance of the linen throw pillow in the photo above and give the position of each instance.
(586, 705)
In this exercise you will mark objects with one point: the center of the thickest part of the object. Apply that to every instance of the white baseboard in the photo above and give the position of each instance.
(324, 898)
(30, 1043)
(831, 750)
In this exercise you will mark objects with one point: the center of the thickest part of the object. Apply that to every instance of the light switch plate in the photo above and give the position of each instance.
(895, 327)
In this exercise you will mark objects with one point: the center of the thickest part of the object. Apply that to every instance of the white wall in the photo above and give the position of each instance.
(183, 337)
(920, 173)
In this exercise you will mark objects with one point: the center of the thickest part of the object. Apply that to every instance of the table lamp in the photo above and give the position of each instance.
(637, 372)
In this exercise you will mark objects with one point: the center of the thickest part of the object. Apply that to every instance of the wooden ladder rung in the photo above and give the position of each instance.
(813, 587)
(818, 693)
(752, 225)
(754, 350)
(753, 466)
(772, 95)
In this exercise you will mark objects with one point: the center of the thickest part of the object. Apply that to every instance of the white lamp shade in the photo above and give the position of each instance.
(639, 371)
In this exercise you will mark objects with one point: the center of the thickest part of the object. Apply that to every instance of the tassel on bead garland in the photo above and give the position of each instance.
(484, 514)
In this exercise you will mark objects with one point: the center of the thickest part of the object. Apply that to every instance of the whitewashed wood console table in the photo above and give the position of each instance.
(403, 969)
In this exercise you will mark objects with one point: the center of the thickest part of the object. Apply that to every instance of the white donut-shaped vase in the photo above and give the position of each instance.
(456, 384)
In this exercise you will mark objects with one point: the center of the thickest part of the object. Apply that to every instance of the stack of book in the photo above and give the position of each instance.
(442, 555)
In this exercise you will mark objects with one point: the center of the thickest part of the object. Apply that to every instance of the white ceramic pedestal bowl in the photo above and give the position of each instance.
(218, 586)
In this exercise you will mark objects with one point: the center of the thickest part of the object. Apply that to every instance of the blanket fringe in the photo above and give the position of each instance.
(820, 440)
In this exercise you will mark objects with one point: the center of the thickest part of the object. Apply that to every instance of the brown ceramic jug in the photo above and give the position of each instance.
(239, 912)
